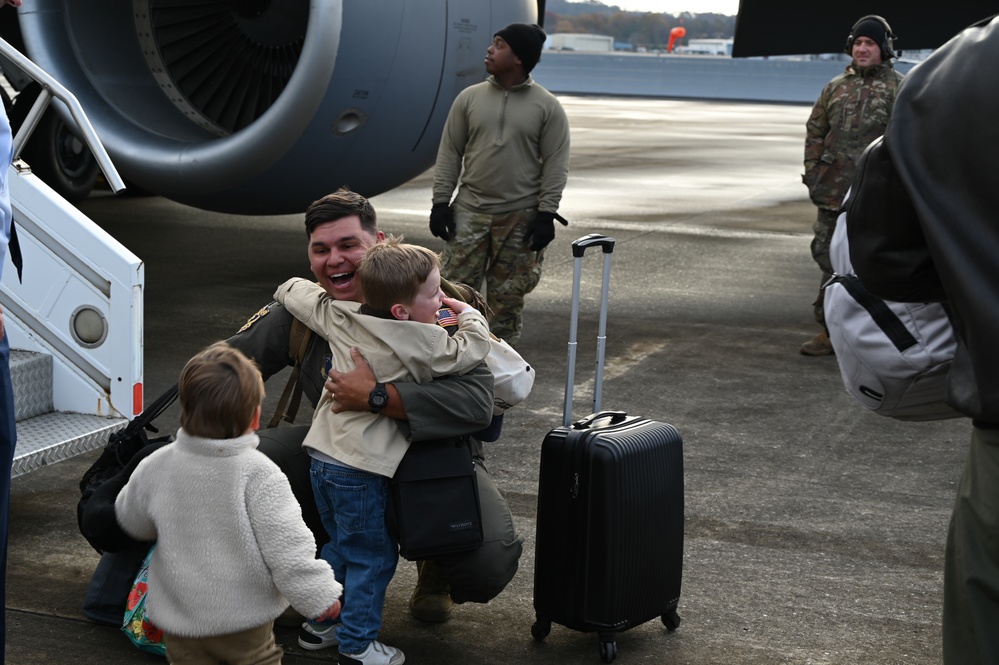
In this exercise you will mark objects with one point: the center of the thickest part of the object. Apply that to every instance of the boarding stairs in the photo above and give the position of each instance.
(74, 320)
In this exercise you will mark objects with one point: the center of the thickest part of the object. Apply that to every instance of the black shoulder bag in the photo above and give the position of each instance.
(433, 507)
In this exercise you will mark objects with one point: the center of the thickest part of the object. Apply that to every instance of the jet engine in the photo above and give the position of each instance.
(262, 106)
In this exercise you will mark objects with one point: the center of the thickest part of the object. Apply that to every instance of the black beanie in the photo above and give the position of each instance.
(526, 40)
(873, 28)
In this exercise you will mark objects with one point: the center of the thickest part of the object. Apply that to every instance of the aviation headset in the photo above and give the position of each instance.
(887, 47)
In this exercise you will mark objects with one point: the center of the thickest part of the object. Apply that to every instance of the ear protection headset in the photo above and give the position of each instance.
(887, 47)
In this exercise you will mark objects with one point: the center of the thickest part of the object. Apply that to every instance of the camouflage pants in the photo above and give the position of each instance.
(823, 228)
(491, 248)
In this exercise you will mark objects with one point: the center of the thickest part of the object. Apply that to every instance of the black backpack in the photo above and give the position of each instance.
(126, 442)
(121, 447)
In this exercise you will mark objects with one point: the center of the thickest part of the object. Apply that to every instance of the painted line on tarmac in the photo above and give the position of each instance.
(685, 229)
(603, 225)
(634, 356)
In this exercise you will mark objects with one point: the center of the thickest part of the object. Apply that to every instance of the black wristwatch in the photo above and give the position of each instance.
(377, 398)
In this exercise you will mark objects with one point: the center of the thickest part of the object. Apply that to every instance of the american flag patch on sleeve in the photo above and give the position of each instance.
(446, 317)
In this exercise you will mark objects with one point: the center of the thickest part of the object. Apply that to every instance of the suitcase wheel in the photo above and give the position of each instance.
(608, 650)
(671, 620)
(540, 629)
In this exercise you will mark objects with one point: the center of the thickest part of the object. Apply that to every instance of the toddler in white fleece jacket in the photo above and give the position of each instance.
(232, 548)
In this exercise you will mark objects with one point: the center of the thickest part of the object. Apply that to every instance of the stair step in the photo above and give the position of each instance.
(31, 377)
(53, 437)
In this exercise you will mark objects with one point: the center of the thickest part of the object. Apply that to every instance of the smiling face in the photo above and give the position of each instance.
(866, 52)
(335, 250)
(426, 303)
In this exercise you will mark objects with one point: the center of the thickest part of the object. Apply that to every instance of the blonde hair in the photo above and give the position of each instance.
(219, 391)
(392, 272)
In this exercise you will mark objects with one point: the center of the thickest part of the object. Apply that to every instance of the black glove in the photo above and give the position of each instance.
(541, 230)
(442, 221)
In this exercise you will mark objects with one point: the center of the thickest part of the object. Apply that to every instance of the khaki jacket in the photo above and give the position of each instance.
(396, 350)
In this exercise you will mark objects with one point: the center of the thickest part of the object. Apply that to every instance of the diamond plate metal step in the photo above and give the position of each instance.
(54, 437)
(43, 436)
(31, 377)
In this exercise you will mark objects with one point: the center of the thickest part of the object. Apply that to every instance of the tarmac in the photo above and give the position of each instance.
(814, 529)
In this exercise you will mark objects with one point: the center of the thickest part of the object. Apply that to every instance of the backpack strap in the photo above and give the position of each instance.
(291, 398)
(892, 326)
(144, 421)
(125, 442)
(452, 291)
(467, 294)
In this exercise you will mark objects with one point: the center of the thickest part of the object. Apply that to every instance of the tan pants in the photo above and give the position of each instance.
(255, 646)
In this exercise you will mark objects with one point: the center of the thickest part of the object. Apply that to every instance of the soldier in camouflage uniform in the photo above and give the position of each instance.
(513, 271)
(852, 111)
(507, 138)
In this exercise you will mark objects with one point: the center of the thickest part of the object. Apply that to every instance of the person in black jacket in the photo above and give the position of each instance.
(924, 226)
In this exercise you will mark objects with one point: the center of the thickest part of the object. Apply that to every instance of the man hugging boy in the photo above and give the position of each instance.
(354, 454)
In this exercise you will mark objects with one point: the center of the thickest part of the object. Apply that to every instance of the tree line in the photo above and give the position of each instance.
(640, 29)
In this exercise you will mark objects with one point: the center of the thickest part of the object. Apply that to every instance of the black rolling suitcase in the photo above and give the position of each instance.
(609, 546)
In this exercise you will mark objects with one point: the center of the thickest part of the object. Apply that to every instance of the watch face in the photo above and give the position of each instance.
(378, 398)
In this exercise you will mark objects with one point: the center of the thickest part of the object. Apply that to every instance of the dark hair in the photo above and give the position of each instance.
(341, 203)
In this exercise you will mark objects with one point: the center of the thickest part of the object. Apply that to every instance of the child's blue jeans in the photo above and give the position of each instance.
(363, 555)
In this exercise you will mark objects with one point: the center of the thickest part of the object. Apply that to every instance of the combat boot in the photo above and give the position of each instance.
(431, 600)
(817, 346)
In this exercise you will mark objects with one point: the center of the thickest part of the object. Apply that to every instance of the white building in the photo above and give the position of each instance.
(580, 42)
(709, 46)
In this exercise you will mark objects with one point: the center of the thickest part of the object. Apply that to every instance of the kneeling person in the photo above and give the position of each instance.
(354, 454)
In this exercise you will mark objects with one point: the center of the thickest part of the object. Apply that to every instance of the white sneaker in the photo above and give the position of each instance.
(314, 639)
(376, 654)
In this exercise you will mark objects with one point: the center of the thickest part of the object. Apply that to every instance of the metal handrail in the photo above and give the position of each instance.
(52, 88)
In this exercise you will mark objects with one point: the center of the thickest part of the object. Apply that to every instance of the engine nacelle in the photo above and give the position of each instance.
(263, 106)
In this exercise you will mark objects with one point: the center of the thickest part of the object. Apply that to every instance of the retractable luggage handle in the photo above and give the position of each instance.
(579, 247)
